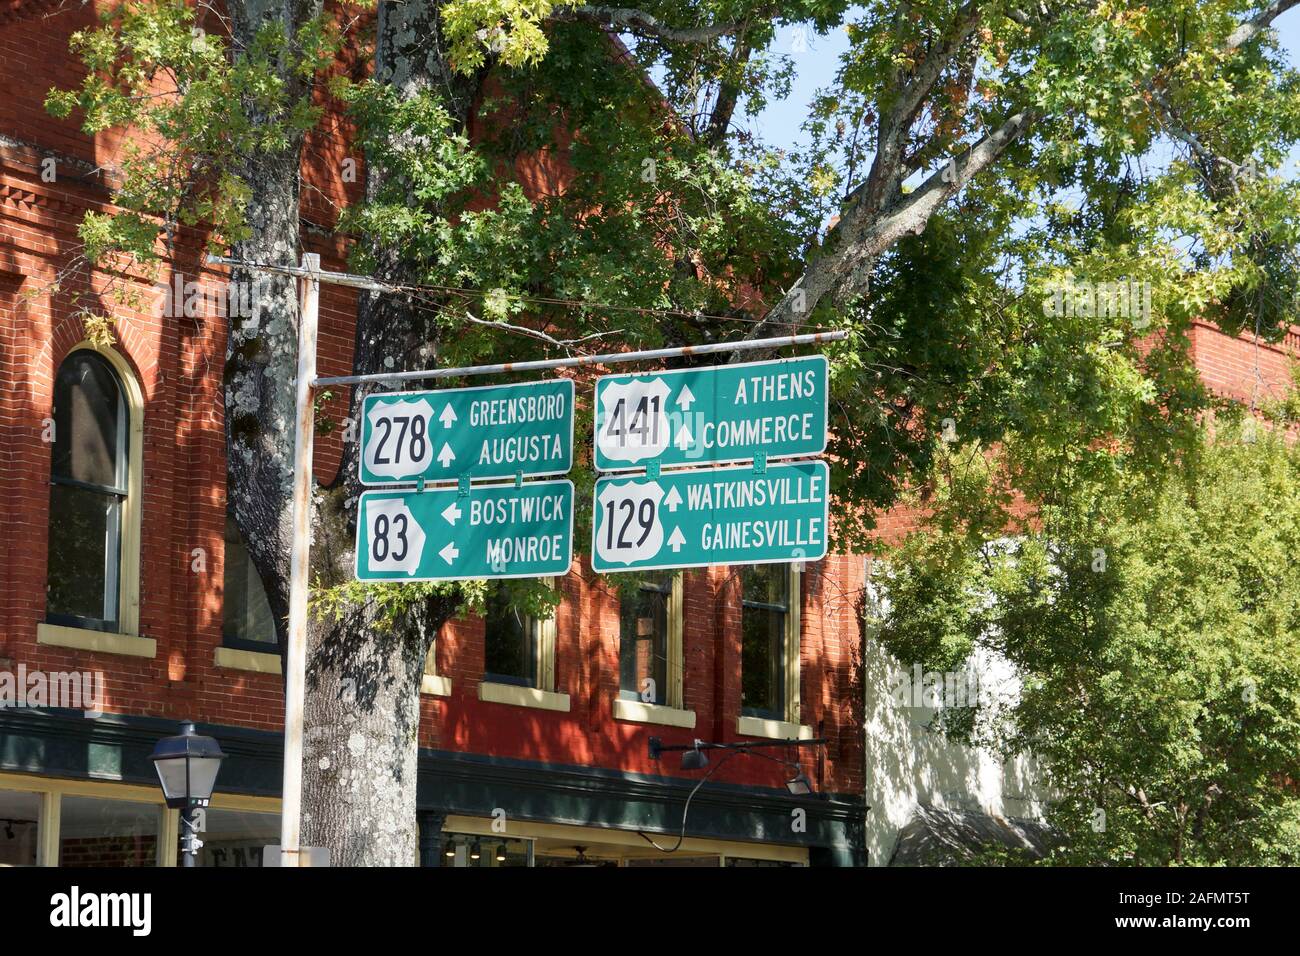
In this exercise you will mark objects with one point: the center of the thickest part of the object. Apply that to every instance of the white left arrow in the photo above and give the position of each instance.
(686, 398)
(684, 439)
(450, 552)
(676, 540)
(446, 456)
(448, 416)
(451, 513)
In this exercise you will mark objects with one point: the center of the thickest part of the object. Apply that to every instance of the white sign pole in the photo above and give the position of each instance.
(299, 561)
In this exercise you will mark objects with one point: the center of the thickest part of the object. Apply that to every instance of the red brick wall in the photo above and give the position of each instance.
(1241, 369)
(587, 625)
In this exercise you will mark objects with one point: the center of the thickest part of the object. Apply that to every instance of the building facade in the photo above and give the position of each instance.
(128, 602)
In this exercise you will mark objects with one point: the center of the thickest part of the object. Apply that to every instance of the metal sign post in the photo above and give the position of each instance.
(299, 564)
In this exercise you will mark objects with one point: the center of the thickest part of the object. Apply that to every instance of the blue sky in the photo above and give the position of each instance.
(778, 124)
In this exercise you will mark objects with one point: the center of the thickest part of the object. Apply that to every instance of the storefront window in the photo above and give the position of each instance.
(676, 861)
(95, 832)
(19, 824)
(469, 849)
(749, 861)
(237, 838)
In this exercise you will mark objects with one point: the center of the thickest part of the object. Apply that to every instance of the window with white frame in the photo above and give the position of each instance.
(650, 640)
(518, 648)
(247, 621)
(769, 656)
(93, 532)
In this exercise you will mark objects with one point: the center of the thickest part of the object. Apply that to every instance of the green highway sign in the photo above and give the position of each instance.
(493, 531)
(712, 415)
(687, 519)
(493, 431)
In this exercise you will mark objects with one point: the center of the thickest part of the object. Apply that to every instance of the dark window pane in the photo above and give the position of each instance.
(643, 639)
(95, 832)
(88, 422)
(83, 541)
(763, 615)
(510, 642)
(766, 584)
(246, 611)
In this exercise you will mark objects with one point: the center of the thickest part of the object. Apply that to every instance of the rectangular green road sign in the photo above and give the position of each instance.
(493, 431)
(712, 415)
(494, 531)
(686, 519)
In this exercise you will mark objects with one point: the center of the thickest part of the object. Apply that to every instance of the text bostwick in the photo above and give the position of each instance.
(520, 547)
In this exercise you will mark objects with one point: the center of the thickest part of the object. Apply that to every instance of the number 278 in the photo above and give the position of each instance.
(418, 443)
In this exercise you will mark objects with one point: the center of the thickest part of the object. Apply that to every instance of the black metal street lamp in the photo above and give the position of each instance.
(187, 766)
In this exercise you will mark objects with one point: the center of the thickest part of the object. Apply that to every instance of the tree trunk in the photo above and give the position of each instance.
(262, 351)
(361, 711)
(362, 708)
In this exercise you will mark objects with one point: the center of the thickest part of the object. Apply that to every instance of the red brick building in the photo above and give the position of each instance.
(120, 567)
(534, 735)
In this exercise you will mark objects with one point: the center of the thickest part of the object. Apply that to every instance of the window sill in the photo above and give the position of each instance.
(643, 713)
(237, 659)
(102, 642)
(523, 696)
(435, 685)
(773, 729)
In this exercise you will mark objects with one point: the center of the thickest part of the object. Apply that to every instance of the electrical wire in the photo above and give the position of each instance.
(681, 837)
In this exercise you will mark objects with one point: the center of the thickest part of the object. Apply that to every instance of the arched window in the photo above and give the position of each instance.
(90, 488)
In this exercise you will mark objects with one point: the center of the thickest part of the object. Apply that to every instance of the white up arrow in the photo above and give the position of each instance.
(448, 416)
(684, 439)
(446, 456)
(451, 513)
(676, 540)
(686, 398)
(673, 499)
(449, 553)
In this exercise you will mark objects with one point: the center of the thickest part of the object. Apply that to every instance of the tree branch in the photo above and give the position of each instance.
(1174, 124)
(1258, 23)
(874, 218)
(886, 169)
(845, 272)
